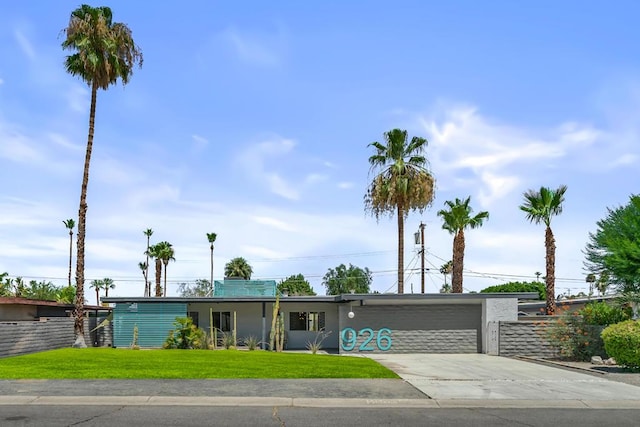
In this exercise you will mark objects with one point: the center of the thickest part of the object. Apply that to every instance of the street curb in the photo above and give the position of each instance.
(226, 401)
(557, 364)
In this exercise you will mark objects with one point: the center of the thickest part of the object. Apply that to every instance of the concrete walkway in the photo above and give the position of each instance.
(428, 381)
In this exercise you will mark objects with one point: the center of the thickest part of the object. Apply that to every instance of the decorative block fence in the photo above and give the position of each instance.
(526, 338)
(24, 337)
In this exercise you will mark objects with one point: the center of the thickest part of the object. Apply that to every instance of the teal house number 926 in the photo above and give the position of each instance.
(370, 339)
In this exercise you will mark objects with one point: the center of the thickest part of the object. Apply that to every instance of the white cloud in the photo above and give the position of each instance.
(64, 142)
(78, 97)
(25, 44)
(200, 142)
(279, 186)
(467, 149)
(265, 49)
(314, 178)
(273, 222)
(624, 160)
(260, 159)
(345, 185)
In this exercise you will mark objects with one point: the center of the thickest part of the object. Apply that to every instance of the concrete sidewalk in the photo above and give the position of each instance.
(428, 381)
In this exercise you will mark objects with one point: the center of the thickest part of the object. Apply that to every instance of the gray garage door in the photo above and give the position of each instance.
(412, 329)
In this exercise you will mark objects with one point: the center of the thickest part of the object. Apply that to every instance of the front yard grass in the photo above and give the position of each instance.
(109, 363)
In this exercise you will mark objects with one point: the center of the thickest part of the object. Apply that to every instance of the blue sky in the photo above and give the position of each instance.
(253, 121)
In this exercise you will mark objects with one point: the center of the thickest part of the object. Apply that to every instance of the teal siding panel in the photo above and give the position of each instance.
(244, 288)
(154, 321)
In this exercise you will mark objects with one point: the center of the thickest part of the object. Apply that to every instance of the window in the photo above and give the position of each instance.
(222, 320)
(194, 317)
(306, 321)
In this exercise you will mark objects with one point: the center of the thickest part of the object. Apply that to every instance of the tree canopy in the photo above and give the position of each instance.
(538, 287)
(343, 280)
(402, 183)
(614, 248)
(202, 288)
(540, 206)
(295, 285)
(238, 268)
(455, 219)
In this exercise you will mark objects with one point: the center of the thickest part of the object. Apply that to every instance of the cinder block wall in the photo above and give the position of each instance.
(24, 337)
(526, 338)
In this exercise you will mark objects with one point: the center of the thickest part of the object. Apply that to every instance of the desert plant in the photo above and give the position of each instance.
(134, 343)
(622, 342)
(274, 319)
(228, 341)
(316, 345)
(185, 336)
(251, 342)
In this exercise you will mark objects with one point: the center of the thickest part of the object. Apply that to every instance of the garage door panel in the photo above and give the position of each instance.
(412, 329)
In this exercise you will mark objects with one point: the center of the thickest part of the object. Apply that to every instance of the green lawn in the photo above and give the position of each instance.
(93, 363)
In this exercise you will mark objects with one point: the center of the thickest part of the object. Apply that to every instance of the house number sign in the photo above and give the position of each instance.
(370, 340)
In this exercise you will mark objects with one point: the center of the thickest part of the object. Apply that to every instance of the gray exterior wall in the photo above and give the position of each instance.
(437, 328)
(525, 338)
(494, 311)
(24, 337)
(249, 321)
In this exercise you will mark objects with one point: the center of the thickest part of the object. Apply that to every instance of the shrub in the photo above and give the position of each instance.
(519, 287)
(185, 336)
(622, 342)
(576, 335)
(601, 313)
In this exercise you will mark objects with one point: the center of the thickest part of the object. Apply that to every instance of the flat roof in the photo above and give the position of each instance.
(46, 303)
(469, 298)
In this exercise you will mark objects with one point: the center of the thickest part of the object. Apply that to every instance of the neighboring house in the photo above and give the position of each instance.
(351, 323)
(28, 326)
(16, 308)
(537, 308)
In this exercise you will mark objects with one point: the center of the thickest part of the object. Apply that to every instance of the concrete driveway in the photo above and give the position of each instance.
(480, 376)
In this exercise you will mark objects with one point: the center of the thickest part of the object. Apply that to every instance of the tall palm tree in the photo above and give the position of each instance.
(166, 254)
(455, 220)
(144, 267)
(70, 224)
(402, 183)
(445, 270)
(147, 285)
(540, 206)
(591, 280)
(155, 251)
(97, 285)
(211, 237)
(238, 268)
(107, 284)
(103, 52)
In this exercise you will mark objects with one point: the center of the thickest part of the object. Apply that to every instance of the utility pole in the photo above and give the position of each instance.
(422, 252)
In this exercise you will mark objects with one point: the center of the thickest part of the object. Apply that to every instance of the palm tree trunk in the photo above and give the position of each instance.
(400, 250)
(458, 262)
(70, 253)
(164, 293)
(550, 245)
(211, 283)
(97, 296)
(78, 310)
(158, 276)
(147, 284)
